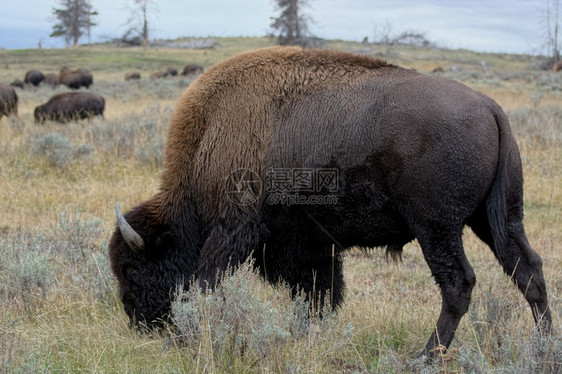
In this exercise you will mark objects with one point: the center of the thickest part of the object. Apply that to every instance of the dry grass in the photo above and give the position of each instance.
(58, 184)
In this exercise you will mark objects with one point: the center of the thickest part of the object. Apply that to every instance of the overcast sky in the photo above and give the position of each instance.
(513, 26)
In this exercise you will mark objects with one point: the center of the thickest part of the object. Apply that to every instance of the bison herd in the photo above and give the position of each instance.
(62, 107)
(68, 106)
(72, 78)
(187, 70)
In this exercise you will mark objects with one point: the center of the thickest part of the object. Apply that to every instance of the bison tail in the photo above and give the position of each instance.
(496, 200)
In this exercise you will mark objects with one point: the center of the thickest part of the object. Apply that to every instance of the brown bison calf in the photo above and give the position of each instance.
(8, 101)
(68, 106)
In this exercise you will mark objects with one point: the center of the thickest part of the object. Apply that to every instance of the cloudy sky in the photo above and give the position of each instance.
(513, 26)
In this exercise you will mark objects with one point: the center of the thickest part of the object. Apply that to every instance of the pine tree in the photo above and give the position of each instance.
(292, 24)
(75, 18)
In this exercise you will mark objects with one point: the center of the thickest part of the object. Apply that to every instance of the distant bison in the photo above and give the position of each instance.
(192, 69)
(158, 74)
(70, 106)
(171, 71)
(51, 79)
(75, 78)
(8, 101)
(17, 83)
(34, 77)
(131, 75)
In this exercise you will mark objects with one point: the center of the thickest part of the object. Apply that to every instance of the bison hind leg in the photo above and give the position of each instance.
(519, 261)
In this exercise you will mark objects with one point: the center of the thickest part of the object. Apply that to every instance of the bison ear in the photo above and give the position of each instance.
(131, 237)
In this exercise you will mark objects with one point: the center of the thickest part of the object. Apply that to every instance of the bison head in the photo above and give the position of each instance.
(149, 262)
(39, 114)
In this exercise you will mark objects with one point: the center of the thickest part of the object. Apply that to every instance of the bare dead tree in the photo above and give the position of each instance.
(550, 16)
(89, 24)
(139, 21)
(74, 17)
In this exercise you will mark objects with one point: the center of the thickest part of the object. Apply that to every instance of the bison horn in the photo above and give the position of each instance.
(132, 238)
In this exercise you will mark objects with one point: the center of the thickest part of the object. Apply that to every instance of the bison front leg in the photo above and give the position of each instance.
(456, 279)
(320, 278)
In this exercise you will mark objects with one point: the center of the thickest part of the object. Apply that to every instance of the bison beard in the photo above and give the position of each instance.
(416, 157)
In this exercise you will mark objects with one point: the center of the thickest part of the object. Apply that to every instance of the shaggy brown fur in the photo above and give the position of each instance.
(417, 157)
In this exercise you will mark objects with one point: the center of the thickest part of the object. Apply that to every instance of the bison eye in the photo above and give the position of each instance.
(131, 273)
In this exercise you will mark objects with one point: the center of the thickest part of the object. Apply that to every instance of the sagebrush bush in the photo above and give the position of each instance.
(242, 319)
(134, 136)
(494, 320)
(82, 234)
(26, 272)
(236, 315)
(82, 254)
(538, 126)
(58, 149)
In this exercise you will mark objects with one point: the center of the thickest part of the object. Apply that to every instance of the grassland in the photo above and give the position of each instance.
(59, 310)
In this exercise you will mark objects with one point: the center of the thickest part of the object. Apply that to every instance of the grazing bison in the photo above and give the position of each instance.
(75, 78)
(171, 71)
(17, 83)
(33, 77)
(192, 69)
(300, 150)
(158, 74)
(68, 106)
(51, 79)
(131, 75)
(8, 101)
